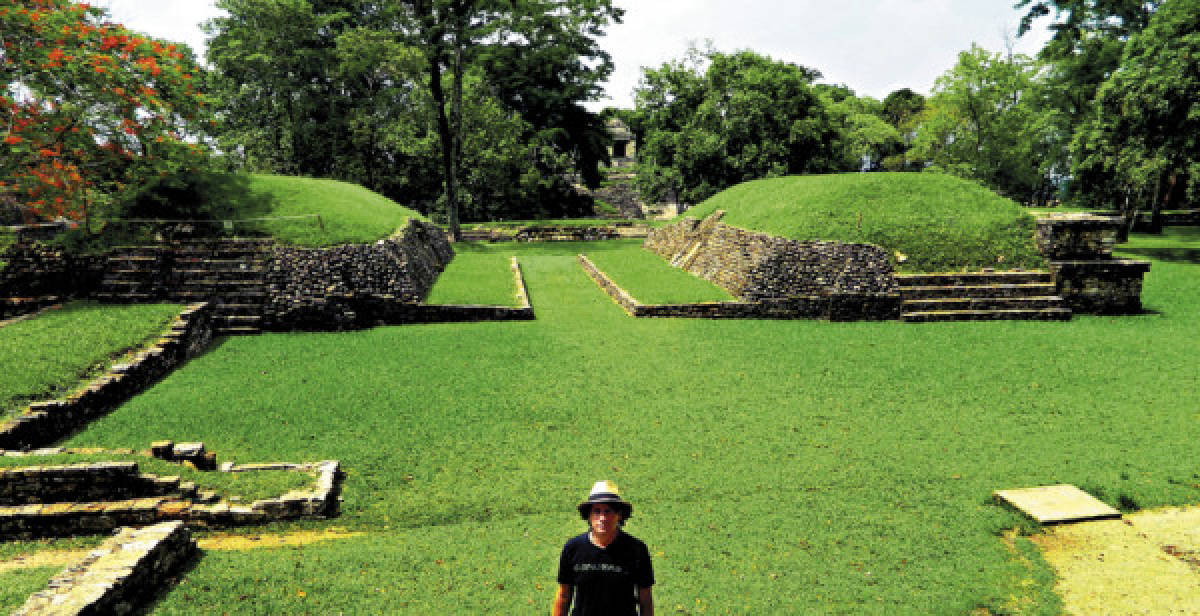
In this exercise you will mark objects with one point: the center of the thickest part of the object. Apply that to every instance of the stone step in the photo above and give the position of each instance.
(1045, 314)
(237, 320)
(237, 331)
(982, 303)
(237, 296)
(124, 298)
(240, 308)
(967, 291)
(972, 279)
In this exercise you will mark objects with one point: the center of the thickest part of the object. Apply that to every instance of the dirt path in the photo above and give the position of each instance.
(62, 558)
(1146, 563)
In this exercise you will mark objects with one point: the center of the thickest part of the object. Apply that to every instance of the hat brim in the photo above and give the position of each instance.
(622, 507)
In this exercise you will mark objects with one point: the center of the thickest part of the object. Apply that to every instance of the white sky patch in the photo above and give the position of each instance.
(872, 46)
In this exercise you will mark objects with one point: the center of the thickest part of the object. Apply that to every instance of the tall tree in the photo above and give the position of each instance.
(984, 121)
(1145, 140)
(714, 119)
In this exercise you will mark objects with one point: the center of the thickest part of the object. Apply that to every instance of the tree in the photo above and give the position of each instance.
(93, 111)
(985, 121)
(1145, 138)
(713, 120)
(864, 138)
(382, 93)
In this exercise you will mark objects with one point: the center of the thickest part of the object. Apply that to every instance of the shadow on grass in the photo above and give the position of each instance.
(544, 249)
(151, 599)
(1177, 255)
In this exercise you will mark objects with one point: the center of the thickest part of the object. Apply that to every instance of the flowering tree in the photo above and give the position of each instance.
(90, 111)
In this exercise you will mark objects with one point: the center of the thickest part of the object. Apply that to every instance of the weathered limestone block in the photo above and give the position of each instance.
(1063, 237)
(1101, 287)
(119, 576)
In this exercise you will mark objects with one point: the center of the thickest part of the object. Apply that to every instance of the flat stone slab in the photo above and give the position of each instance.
(1057, 504)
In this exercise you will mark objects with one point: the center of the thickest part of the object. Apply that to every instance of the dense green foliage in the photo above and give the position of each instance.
(349, 213)
(651, 280)
(937, 222)
(49, 356)
(429, 101)
(1146, 134)
(479, 274)
(796, 467)
(713, 120)
(986, 121)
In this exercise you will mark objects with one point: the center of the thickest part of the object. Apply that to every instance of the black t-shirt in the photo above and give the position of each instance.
(604, 578)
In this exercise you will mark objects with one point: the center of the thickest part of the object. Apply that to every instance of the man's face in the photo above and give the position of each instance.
(603, 519)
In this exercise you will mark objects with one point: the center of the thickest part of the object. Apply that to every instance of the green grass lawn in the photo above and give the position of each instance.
(775, 466)
(350, 213)
(939, 222)
(479, 274)
(50, 355)
(651, 280)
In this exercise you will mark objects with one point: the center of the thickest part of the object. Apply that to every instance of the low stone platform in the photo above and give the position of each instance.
(93, 498)
(1057, 504)
(119, 576)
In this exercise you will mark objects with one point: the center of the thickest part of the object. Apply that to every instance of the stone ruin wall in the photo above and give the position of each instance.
(315, 288)
(757, 267)
(1079, 248)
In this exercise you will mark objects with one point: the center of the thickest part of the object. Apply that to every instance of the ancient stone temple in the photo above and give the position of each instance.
(623, 150)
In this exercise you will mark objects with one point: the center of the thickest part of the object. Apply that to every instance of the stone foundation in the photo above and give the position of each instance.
(344, 287)
(1079, 247)
(805, 279)
(119, 576)
(92, 498)
(1077, 236)
(756, 266)
(46, 422)
(854, 307)
(1101, 287)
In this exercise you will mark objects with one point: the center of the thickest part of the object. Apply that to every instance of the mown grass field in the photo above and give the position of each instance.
(775, 467)
(651, 280)
(938, 222)
(49, 355)
(479, 274)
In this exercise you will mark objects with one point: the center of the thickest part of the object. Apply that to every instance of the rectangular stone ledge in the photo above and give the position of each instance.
(1111, 286)
(116, 577)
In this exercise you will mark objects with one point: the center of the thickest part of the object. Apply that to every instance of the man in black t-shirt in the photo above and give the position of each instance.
(605, 571)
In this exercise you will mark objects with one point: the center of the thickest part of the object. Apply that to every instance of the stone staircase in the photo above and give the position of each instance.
(230, 273)
(981, 296)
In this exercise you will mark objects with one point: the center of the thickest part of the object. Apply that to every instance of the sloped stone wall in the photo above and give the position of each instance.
(757, 267)
(335, 288)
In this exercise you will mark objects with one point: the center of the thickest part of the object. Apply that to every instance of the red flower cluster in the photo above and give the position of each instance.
(97, 109)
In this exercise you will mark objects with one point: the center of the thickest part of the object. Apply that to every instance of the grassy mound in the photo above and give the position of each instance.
(938, 222)
(349, 213)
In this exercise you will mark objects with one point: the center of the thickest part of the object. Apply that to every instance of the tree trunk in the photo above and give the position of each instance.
(1156, 205)
(446, 135)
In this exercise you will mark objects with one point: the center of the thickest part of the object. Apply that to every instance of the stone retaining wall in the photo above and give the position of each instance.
(342, 287)
(119, 576)
(854, 307)
(1101, 287)
(1079, 247)
(46, 422)
(34, 270)
(756, 266)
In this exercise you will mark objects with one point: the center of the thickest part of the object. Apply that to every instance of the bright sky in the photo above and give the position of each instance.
(873, 46)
